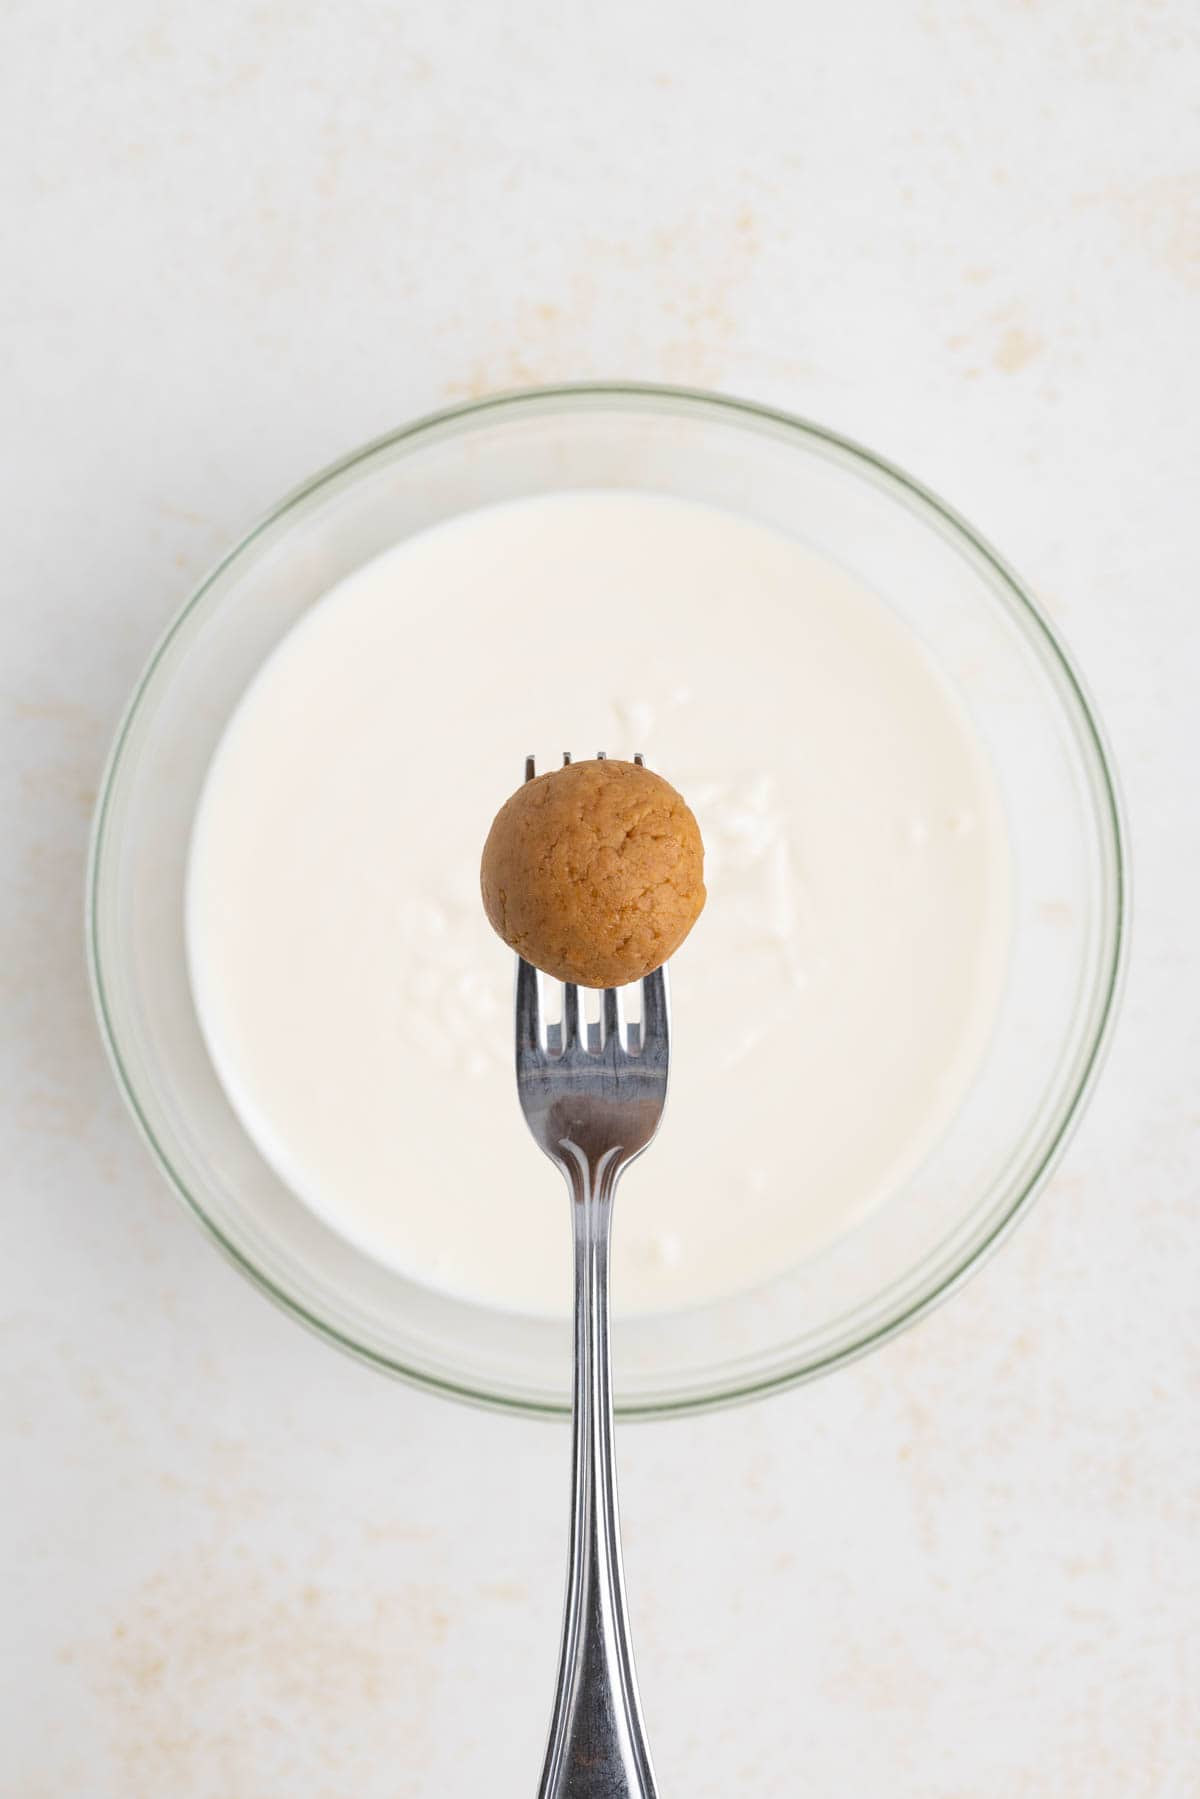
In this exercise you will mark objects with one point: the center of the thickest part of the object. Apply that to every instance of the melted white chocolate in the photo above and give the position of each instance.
(830, 1006)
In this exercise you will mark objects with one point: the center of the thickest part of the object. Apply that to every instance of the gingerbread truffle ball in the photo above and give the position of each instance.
(594, 873)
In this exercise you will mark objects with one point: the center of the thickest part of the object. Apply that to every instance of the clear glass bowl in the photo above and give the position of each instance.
(980, 625)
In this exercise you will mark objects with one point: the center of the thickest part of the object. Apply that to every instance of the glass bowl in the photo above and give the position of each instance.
(978, 623)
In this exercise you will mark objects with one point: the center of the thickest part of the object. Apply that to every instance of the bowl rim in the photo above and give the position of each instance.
(1105, 999)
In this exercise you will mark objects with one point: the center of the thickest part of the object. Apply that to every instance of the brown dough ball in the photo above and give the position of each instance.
(594, 872)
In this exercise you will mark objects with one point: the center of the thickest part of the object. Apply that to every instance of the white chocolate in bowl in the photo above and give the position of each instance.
(830, 1007)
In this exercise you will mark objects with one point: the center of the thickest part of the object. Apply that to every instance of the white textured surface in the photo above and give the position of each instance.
(243, 239)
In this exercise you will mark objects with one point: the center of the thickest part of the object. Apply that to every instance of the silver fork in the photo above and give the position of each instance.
(593, 1098)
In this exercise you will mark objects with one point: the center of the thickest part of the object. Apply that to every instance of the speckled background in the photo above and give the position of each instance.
(240, 240)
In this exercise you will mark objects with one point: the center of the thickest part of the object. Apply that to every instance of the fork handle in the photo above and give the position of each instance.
(597, 1747)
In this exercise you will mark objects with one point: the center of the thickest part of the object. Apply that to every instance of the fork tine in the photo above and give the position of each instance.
(530, 768)
(528, 1009)
(612, 1016)
(639, 758)
(654, 1008)
(570, 1015)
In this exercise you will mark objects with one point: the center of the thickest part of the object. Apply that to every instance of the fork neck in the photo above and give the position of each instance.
(597, 1747)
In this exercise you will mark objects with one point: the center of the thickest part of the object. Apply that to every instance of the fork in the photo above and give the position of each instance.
(593, 1095)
